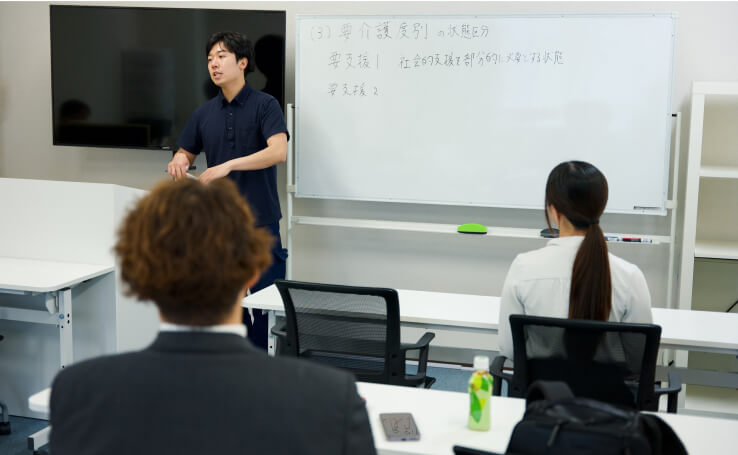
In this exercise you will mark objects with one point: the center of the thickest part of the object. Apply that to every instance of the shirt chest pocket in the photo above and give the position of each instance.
(250, 140)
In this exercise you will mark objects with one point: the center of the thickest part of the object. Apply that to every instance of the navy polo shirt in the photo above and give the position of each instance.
(225, 131)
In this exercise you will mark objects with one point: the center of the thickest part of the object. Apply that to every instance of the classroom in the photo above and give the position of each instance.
(392, 146)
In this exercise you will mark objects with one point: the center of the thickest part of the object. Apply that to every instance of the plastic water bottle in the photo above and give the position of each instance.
(480, 393)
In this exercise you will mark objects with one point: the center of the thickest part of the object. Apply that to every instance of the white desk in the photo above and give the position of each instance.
(471, 322)
(692, 330)
(39, 402)
(472, 315)
(53, 279)
(459, 321)
(442, 417)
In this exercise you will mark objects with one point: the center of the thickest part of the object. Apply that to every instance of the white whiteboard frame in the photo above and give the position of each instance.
(661, 210)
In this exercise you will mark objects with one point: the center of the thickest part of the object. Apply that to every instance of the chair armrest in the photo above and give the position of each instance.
(280, 330)
(495, 369)
(672, 391)
(420, 344)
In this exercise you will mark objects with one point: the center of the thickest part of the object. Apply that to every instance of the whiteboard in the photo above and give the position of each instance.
(477, 110)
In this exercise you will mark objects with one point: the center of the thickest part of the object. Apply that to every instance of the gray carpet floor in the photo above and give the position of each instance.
(448, 377)
(16, 443)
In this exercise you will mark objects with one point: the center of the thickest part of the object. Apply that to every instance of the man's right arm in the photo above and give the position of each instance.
(190, 144)
(179, 164)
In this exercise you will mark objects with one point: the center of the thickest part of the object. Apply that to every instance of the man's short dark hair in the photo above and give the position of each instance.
(234, 42)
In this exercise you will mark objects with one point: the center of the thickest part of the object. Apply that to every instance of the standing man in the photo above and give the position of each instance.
(243, 135)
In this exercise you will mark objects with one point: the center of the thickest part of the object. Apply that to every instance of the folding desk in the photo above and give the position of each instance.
(55, 281)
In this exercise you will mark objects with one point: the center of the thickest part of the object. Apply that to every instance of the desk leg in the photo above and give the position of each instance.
(271, 339)
(64, 300)
(39, 439)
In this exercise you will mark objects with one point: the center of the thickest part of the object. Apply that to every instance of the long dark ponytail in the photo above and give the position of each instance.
(578, 191)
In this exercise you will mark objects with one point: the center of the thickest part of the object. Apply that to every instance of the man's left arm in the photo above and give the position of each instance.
(358, 437)
(275, 152)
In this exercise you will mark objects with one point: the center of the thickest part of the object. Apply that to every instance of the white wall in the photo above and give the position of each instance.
(706, 36)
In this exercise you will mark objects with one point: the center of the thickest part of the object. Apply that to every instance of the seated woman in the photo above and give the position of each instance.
(573, 275)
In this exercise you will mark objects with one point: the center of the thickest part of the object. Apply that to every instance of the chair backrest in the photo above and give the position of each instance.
(607, 361)
(349, 327)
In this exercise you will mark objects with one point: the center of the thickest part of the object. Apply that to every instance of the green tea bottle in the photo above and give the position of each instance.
(480, 392)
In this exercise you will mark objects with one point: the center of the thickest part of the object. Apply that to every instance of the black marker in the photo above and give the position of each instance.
(636, 240)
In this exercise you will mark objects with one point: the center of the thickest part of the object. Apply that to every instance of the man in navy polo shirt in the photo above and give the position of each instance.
(243, 135)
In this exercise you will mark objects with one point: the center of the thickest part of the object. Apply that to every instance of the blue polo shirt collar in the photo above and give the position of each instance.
(240, 99)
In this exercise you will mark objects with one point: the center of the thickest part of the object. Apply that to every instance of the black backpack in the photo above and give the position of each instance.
(557, 423)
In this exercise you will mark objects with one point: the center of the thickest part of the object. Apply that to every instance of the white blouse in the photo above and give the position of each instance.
(538, 284)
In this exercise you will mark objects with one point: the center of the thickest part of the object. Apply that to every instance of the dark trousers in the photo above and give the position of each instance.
(257, 328)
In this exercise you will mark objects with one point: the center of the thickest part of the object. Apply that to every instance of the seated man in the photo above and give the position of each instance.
(201, 387)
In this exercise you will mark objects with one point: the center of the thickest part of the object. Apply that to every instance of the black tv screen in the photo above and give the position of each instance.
(131, 77)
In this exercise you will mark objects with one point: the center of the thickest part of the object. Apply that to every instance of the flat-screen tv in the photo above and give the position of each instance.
(131, 77)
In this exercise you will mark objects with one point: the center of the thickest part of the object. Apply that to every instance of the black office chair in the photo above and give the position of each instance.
(349, 327)
(608, 361)
(4, 418)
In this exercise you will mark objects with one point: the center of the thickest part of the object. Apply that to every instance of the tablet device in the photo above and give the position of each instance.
(399, 426)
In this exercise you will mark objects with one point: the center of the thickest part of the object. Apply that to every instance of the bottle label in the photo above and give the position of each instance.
(480, 390)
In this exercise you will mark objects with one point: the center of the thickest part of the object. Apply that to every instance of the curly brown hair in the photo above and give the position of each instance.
(190, 248)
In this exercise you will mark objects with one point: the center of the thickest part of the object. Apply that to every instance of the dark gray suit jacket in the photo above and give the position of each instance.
(206, 393)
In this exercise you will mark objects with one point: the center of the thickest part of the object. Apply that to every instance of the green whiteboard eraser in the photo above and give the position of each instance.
(472, 228)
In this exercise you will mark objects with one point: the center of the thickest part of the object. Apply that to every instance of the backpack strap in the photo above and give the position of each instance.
(548, 390)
